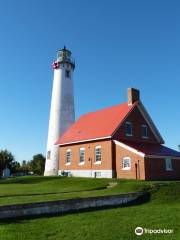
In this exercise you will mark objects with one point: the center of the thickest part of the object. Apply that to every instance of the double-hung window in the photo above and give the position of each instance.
(98, 154)
(81, 155)
(168, 163)
(128, 129)
(68, 156)
(126, 163)
(144, 131)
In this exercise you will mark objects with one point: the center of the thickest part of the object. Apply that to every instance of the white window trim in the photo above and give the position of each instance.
(83, 162)
(144, 137)
(68, 163)
(127, 134)
(166, 160)
(99, 146)
(126, 168)
(97, 162)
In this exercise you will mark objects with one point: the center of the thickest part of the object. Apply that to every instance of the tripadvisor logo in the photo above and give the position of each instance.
(139, 231)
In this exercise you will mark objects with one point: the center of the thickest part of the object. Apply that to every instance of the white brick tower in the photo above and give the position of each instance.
(62, 114)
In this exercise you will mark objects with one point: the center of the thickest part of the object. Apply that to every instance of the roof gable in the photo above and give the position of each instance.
(96, 125)
(138, 116)
(150, 122)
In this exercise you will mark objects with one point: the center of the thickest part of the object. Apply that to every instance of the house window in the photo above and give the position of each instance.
(144, 131)
(68, 73)
(126, 163)
(168, 163)
(98, 153)
(68, 156)
(48, 154)
(81, 155)
(128, 126)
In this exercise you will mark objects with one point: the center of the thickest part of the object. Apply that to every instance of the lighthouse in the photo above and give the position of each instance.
(62, 114)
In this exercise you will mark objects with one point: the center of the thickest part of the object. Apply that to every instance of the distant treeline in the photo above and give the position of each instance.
(7, 160)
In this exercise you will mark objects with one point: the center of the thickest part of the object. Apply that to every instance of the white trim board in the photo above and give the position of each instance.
(158, 156)
(87, 140)
(131, 149)
(89, 173)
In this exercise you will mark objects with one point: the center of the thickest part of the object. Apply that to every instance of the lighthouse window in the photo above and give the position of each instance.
(48, 154)
(67, 73)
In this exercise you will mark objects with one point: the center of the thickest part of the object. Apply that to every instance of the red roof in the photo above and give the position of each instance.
(99, 124)
(153, 149)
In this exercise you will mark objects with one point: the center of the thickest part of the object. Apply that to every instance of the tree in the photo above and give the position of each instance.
(15, 167)
(26, 166)
(38, 164)
(6, 160)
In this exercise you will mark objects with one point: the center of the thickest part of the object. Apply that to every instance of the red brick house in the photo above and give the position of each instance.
(120, 141)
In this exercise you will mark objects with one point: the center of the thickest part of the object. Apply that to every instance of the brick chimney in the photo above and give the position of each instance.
(133, 95)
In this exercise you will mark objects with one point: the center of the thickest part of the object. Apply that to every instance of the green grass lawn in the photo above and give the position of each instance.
(37, 189)
(162, 211)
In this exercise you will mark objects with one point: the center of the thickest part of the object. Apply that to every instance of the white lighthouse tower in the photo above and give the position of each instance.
(62, 114)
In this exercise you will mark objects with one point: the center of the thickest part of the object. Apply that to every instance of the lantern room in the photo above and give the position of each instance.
(64, 56)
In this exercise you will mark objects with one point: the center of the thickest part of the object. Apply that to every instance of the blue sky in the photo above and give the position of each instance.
(117, 44)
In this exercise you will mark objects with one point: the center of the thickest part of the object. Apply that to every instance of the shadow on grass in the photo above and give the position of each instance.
(53, 193)
(28, 180)
(21, 220)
